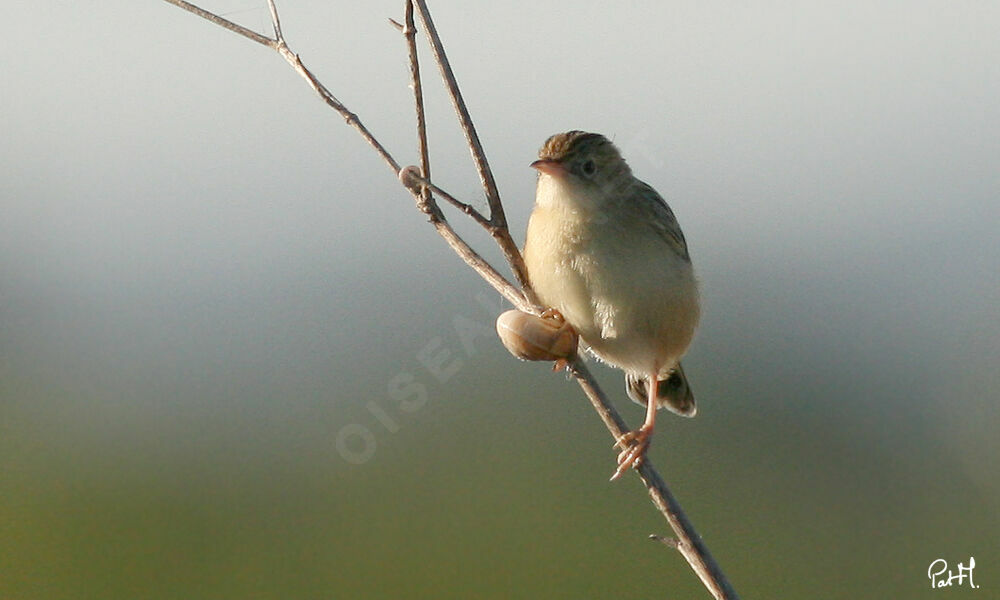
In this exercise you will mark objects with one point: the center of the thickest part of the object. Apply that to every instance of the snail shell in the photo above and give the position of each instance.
(530, 337)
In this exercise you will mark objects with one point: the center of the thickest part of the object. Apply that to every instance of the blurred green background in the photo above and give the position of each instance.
(206, 281)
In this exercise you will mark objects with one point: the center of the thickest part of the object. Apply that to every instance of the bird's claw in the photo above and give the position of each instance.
(634, 445)
(555, 316)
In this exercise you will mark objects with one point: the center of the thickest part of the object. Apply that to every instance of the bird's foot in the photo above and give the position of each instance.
(634, 445)
(556, 317)
(553, 315)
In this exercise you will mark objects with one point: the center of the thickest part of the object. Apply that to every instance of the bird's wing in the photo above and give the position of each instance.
(662, 220)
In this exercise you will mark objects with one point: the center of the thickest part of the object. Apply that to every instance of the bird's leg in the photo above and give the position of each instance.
(635, 443)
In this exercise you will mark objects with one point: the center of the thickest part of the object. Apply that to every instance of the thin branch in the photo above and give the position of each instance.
(485, 269)
(478, 155)
(225, 23)
(464, 251)
(421, 186)
(411, 180)
(410, 32)
(689, 541)
(468, 209)
(331, 100)
(416, 180)
(498, 219)
(275, 21)
(293, 59)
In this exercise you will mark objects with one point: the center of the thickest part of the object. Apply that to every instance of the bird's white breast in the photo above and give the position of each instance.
(633, 300)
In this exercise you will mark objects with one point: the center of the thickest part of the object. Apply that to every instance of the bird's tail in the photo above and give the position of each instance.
(674, 392)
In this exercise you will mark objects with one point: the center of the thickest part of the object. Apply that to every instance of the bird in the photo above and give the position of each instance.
(605, 253)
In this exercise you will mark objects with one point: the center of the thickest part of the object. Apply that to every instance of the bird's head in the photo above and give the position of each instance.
(581, 158)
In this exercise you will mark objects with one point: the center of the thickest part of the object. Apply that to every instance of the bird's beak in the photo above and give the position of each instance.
(548, 166)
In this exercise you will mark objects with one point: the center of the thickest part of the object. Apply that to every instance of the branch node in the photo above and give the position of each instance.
(407, 29)
(410, 177)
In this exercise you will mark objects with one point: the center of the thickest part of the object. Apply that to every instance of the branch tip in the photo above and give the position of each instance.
(666, 541)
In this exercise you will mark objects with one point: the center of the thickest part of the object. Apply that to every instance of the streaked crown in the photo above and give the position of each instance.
(588, 155)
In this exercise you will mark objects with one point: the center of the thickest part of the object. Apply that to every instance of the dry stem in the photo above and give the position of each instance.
(418, 182)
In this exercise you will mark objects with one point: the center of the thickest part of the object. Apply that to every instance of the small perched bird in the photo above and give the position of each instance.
(605, 251)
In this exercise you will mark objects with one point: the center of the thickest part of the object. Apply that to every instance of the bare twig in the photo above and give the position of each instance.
(464, 251)
(421, 187)
(410, 31)
(499, 229)
(293, 59)
(669, 542)
(412, 181)
(225, 23)
(417, 181)
(689, 542)
(468, 209)
(331, 100)
(275, 21)
(478, 155)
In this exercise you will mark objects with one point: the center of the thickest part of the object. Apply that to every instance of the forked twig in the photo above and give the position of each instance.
(417, 181)
(436, 217)
(416, 82)
(278, 44)
(499, 230)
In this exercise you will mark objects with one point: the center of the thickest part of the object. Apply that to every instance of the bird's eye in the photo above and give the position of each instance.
(589, 167)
